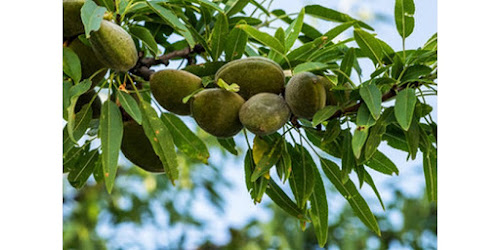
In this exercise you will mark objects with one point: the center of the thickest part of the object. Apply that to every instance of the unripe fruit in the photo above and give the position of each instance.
(88, 60)
(137, 148)
(216, 111)
(170, 86)
(86, 98)
(114, 47)
(254, 75)
(264, 113)
(305, 95)
(72, 22)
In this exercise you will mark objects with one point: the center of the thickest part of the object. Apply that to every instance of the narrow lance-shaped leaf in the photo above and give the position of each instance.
(373, 98)
(71, 65)
(323, 114)
(331, 15)
(376, 133)
(74, 92)
(169, 17)
(161, 140)
(228, 144)
(430, 173)
(237, 7)
(293, 30)
(346, 66)
(319, 210)
(280, 35)
(235, 44)
(219, 36)
(302, 176)
(185, 140)
(404, 107)
(265, 155)
(263, 37)
(258, 187)
(413, 138)
(349, 191)
(310, 66)
(364, 117)
(382, 164)
(78, 177)
(369, 45)
(82, 121)
(91, 15)
(368, 179)
(348, 161)
(111, 133)
(145, 35)
(283, 201)
(130, 105)
(403, 14)
(358, 140)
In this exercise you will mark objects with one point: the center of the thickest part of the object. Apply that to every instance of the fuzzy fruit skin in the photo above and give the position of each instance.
(86, 98)
(137, 148)
(254, 75)
(264, 113)
(114, 47)
(89, 62)
(305, 95)
(72, 22)
(170, 86)
(217, 112)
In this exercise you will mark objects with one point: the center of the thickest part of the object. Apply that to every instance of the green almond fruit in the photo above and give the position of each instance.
(72, 22)
(89, 62)
(86, 98)
(305, 95)
(217, 112)
(137, 148)
(254, 75)
(170, 86)
(114, 47)
(264, 113)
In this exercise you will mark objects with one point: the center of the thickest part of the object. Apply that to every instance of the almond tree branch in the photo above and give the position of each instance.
(142, 68)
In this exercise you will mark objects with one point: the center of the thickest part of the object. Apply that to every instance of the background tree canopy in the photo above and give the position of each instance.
(300, 167)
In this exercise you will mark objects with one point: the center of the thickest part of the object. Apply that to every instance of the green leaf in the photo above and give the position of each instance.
(74, 92)
(235, 44)
(310, 66)
(205, 69)
(265, 155)
(412, 138)
(91, 15)
(258, 187)
(78, 177)
(373, 98)
(368, 179)
(376, 133)
(263, 37)
(185, 140)
(346, 66)
(369, 45)
(283, 201)
(319, 210)
(358, 140)
(302, 176)
(430, 173)
(130, 105)
(431, 44)
(332, 131)
(403, 14)
(207, 4)
(110, 132)
(219, 36)
(223, 85)
(404, 107)
(331, 15)
(395, 138)
(145, 35)
(413, 72)
(382, 164)
(237, 7)
(228, 144)
(280, 35)
(82, 121)
(171, 19)
(348, 160)
(293, 30)
(161, 140)
(349, 191)
(323, 114)
(364, 117)
(66, 98)
(71, 65)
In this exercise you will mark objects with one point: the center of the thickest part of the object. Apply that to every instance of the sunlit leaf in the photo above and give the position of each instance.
(91, 15)
(323, 114)
(283, 201)
(346, 66)
(293, 30)
(71, 65)
(349, 191)
(331, 15)
(310, 66)
(263, 37)
(185, 140)
(403, 14)
(111, 133)
(237, 6)
(130, 105)
(174, 21)
(235, 45)
(145, 35)
(404, 107)
(219, 36)
(369, 45)
(319, 209)
(265, 155)
(382, 164)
